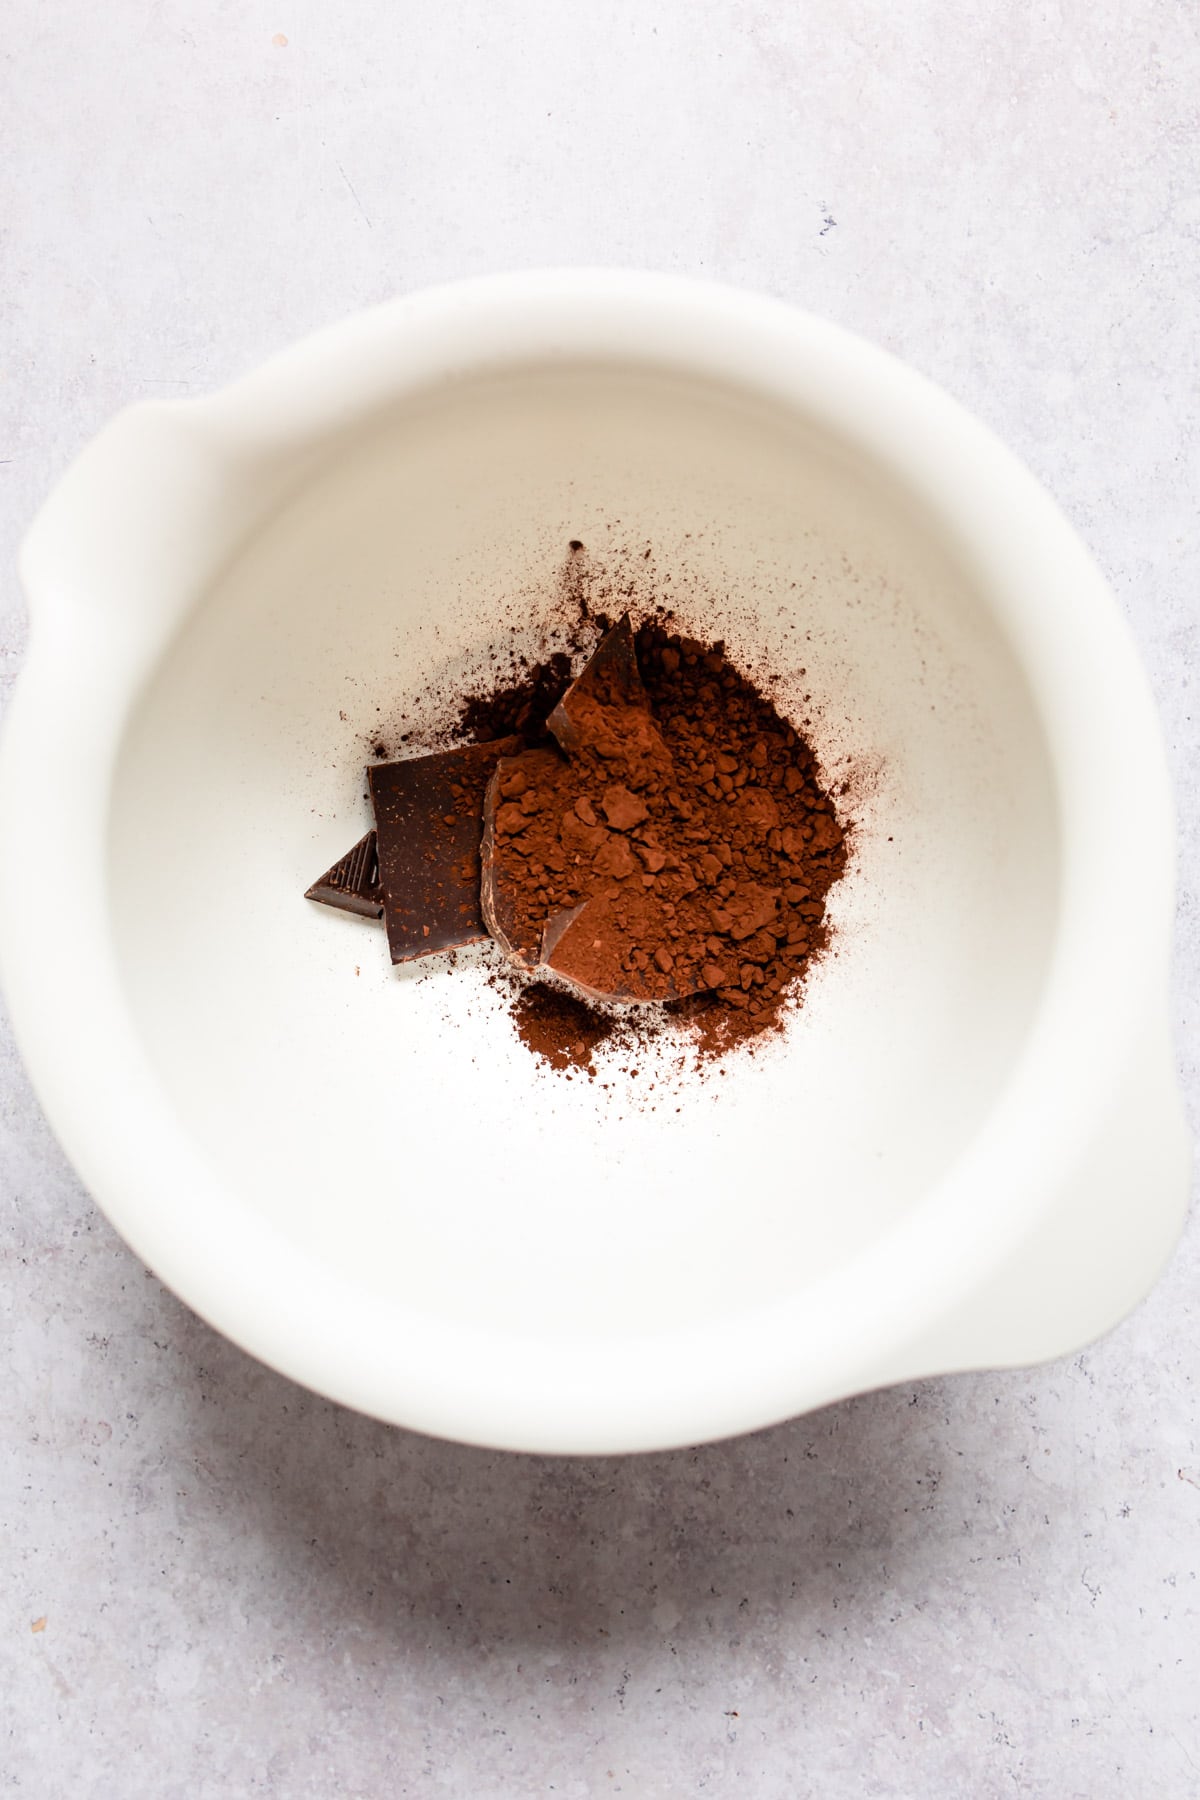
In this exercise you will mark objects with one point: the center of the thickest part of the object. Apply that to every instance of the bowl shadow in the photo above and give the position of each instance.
(420, 1542)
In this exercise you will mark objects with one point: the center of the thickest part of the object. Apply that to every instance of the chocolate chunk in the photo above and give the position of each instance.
(582, 947)
(428, 821)
(588, 948)
(606, 713)
(498, 905)
(352, 885)
(611, 678)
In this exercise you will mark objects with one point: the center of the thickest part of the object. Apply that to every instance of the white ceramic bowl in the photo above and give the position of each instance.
(968, 1150)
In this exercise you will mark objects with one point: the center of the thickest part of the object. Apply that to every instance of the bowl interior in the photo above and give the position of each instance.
(390, 1123)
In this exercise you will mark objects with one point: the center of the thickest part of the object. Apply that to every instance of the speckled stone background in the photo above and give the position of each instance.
(213, 1584)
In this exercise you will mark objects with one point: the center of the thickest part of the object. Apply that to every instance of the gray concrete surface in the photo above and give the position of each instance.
(212, 1583)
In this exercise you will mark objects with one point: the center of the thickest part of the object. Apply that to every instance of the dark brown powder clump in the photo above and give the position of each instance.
(557, 1027)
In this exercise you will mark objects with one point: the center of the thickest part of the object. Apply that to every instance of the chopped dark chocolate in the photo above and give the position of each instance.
(653, 832)
(584, 947)
(428, 820)
(610, 679)
(352, 885)
(504, 819)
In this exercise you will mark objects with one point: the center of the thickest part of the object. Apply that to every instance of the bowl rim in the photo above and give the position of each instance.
(736, 1372)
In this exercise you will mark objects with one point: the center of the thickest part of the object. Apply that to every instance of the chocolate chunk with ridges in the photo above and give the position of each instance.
(428, 821)
(352, 885)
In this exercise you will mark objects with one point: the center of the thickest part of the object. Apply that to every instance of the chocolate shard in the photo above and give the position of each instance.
(352, 885)
(556, 929)
(587, 951)
(610, 681)
(499, 911)
(428, 820)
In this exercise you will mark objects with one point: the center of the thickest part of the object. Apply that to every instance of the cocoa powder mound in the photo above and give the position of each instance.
(681, 854)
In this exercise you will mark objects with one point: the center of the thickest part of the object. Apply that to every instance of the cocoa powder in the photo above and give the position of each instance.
(559, 1028)
(681, 854)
